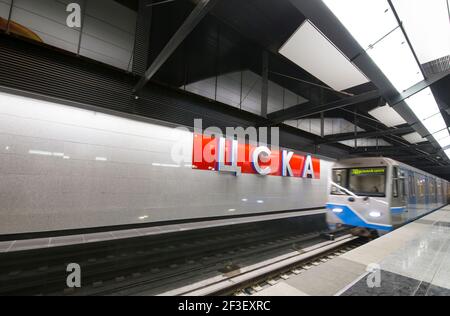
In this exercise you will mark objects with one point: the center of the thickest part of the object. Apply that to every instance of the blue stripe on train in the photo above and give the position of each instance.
(350, 217)
(398, 210)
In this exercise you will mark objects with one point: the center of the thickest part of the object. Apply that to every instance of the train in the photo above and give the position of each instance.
(377, 195)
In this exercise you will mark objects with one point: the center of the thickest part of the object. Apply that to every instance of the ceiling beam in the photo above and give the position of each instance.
(438, 169)
(307, 109)
(389, 149)
(202, 8)
(419, 87)
(349, 136)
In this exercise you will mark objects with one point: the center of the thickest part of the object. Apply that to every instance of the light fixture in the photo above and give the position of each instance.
(395, 59)
(441, 135)
(310, 49)
(427, 25)
(445, 142)
(423, 104)
(338, 210)
(367, 21)
(260, 202)
(435, 124)
(447, 152)
(374, 26)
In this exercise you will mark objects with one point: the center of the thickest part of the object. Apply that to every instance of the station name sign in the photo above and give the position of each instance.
(230, 156)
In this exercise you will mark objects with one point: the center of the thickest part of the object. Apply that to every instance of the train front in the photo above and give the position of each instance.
(359, 196)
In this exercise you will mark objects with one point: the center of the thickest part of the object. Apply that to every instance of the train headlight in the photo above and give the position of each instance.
(375, 214)
(337, 210)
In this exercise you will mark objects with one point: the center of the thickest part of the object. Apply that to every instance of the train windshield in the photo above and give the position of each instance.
(360, 181)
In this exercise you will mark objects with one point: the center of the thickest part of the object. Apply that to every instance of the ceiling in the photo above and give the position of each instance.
(233, 37)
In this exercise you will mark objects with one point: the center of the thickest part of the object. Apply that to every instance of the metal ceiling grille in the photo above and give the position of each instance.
(437, 66)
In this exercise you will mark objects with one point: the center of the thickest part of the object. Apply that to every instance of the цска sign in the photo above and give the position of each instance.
(224, 155)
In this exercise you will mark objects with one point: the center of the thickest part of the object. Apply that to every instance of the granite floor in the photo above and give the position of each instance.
(414, 260)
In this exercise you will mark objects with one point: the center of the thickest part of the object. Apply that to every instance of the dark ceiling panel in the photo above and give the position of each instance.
(132, 4)
(267, 22)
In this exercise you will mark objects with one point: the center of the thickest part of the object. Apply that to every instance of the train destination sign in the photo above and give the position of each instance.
(230, 156)
(368, 171)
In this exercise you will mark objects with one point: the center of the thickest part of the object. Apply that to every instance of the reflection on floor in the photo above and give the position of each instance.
(411, 261)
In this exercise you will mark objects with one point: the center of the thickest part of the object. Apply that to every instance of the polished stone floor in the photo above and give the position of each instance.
(411, 261)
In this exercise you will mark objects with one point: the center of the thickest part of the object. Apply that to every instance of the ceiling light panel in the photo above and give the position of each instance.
(388, 116)
(375, 27)
(447, 152)
(367, 21)
(441, 135)
(445, 142)
(414, 138)
(395, 59)
(427, 24)
(423, 104)
(312, 51)
(435, 124)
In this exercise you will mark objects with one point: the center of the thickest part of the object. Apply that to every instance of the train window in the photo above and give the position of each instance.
(421, 186)
(412, 187)
(340, 177)
(368, 181)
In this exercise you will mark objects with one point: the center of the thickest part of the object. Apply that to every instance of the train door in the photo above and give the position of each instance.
(448, 191)
(398, 201)
(432, 187)
(421, 194)
(427, 193)
(438, 193)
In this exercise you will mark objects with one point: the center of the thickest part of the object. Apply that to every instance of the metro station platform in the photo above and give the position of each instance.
(412, 261)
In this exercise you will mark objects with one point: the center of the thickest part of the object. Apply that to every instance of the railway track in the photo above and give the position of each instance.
(255, 278)
(271, 278)
(154, 265)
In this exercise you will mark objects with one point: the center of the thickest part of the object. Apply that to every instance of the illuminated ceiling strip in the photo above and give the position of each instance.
(374, 25)
(429, 34)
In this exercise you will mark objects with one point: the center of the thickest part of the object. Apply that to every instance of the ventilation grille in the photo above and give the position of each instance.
(141, 45)
(37, 69)
(437, 66)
